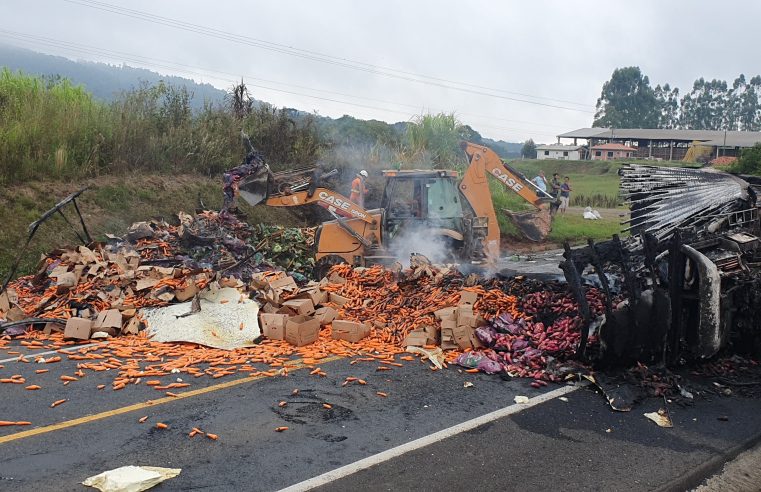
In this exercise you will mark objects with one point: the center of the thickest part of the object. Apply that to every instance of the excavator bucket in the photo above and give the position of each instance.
(254, 188)
(534, 226)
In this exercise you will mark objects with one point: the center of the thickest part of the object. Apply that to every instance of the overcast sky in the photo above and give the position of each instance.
(556, 53)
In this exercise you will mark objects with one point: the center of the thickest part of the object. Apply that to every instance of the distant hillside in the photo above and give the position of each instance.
(102, 80)
(506, 150)
(106, 81)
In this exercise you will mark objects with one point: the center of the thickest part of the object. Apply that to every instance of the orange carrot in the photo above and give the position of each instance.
(380, 393)
(142, 419)
(33, 387)
(161, 425)
(213, 437)
(41, 371)
(281, 429)
(327, 406)
(282, 404)
(57, 402)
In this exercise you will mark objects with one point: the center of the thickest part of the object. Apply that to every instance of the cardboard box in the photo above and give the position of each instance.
(351, 331)
(325, 315)
(432, 335)
(462, 336)
(132, 327)
(78, 328)
(415, 338)
(188, 292)
(337, 300)
(109, 321)
(303, 307)
(447, 339)
(301, 330)
(468, 298)
(448, 324)
(336, 279)
(269, 308)
(315, 295)
(273, 325)
(283, 284)
(445, 313)
(53, 327)
(467, 319)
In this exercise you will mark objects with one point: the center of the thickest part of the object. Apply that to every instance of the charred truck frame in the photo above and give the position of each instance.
(690, 272)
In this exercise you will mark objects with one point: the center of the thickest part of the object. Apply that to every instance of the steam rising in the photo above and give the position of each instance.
(420, 240)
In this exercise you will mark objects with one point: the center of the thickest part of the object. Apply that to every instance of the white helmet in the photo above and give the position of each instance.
(363, 173)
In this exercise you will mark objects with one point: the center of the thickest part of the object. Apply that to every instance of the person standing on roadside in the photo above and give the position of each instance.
(358, 188)
(565, 193)
(540, 181)
(555, 192)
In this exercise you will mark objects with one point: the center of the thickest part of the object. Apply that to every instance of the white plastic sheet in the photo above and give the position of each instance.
(227, 320)
(131, 478)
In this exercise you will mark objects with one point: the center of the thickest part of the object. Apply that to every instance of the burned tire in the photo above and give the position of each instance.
(324, 264)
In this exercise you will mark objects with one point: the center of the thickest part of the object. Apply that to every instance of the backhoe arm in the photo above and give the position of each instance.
(475, 188)
(334, 202)
(484, 161)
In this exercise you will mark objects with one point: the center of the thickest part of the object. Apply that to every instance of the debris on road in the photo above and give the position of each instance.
(661, 417)
(131, 478)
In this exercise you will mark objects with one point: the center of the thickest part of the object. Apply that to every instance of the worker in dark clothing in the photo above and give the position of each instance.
(555, 192)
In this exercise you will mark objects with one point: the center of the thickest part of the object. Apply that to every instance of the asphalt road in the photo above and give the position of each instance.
(575, 444)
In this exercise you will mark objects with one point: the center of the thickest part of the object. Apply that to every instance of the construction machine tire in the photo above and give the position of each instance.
(324, 264)
(534, 226)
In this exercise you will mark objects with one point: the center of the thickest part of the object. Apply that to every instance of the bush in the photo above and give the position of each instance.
(749, 161)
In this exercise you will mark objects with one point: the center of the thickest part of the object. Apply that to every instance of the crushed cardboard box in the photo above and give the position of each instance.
(351, 331)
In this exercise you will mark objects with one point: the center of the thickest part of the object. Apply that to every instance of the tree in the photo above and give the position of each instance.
(529, 149)
(668, 105)
(745, 108)
(707, 106)
(627, 101)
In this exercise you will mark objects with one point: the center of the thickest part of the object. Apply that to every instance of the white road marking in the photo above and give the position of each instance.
(37, 354)
(383, 456)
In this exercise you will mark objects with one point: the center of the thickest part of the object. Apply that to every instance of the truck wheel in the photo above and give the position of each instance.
(323, 265)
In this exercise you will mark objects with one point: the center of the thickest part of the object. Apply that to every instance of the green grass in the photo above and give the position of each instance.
(576, 229)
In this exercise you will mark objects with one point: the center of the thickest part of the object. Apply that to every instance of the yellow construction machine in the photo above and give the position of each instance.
(430, 212)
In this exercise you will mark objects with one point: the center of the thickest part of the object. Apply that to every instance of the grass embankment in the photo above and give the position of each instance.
(113, 203)
(594, 183)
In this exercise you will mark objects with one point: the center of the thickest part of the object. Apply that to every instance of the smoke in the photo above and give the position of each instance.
(420, 240)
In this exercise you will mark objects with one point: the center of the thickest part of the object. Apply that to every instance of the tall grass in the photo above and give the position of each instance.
(51, 129)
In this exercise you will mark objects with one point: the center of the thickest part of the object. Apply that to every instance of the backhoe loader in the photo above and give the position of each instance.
(430, 212)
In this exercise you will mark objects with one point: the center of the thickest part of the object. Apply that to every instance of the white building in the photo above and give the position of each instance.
(561, 152)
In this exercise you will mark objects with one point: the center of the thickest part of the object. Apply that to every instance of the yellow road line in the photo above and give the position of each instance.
(296, 364)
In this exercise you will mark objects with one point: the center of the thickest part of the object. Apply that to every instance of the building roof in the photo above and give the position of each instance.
(559, 147)
(710, 137)
(614, 146)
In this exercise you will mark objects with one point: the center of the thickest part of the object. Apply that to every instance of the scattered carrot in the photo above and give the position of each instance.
(101, 386)
(169, 393)
(281, 429)
(361, 381)
(41, 371)
(5, 423)
(57, 402)
(314, 371)
(68, 378)
(471, 371)
(33, 387)
(380, 393)
(142, 419)
(282, 404)
(213, 437)
(161, 425)
(327, 406)
(295, 391)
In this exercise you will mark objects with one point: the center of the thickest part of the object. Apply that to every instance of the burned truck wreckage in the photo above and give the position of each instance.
(687, 283)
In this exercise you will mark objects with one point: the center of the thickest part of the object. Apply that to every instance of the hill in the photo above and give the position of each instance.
(102, 80)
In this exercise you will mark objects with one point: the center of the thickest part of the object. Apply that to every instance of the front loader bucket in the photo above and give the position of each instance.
(254, 188)
(534, 226)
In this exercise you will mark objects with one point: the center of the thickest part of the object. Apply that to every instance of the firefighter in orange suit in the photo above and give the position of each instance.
(358, 188)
